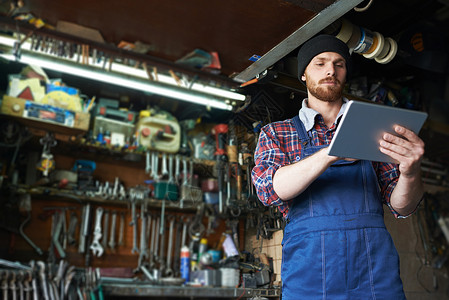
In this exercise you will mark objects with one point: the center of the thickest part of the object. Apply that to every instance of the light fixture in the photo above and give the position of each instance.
(125, 76)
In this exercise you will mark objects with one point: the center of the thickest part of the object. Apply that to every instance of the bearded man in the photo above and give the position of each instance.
(335, 243)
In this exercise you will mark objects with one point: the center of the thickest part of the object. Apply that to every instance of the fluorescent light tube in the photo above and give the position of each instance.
(121, 80)
(131, 71)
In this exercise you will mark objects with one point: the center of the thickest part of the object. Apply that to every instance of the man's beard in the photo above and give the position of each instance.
(326, 93)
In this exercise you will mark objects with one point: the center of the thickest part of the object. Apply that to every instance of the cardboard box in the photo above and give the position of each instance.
(31, 110)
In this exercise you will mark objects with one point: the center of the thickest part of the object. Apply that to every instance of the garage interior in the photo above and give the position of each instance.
(55, 173)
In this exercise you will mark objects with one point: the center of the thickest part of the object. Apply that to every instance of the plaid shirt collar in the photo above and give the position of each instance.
(307, 115)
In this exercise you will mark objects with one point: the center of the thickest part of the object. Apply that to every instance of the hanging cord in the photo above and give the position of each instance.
(362, 9)
(420, 236)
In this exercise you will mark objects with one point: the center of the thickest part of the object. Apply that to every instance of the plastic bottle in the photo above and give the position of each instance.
(194, 255)
(202, 248)
(185, 263)
(100, 135)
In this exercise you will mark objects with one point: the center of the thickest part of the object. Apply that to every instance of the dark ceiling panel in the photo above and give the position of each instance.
(235, 29)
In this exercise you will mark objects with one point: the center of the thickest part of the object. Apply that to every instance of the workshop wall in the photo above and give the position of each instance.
(421, 279)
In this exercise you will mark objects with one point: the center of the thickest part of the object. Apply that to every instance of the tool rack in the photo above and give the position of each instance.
(50, 198)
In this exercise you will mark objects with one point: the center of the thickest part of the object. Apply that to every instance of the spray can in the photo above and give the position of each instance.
(202, 248)
(194, 255)
(185, 263)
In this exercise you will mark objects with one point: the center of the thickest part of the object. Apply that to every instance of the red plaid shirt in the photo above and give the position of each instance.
(279, 146)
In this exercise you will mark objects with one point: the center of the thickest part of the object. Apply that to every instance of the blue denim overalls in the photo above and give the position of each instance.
(336, 245)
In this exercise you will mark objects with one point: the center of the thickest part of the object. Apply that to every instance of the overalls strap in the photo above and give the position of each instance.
(302, 133)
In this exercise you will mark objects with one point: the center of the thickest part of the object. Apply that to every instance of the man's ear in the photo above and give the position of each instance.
(303, 77)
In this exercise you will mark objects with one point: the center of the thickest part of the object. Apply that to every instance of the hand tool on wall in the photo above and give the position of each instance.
(177, 250)
(58, 219)
(84, 228)
(143, 255)
(156, 243)
(64, 227)
(104, 241)
(147, 162)
(73, 223)
(177, 169)
(149, 237)
(233, 224)
(20, 288)
(171, 176)
(47, 163)
(186, 125)
(196, 227)
(4, 285)
(219, 131)
(185, 224)
(148, 274)
(168, 264)
(185, 182)
(13, 286)
(154, 165)
(133, 223)
(153, 249)
(148, 230)
(227, 180)
(164, 171)
(25, 206)
(121, 233)
(211, 221)
(96, 247)
(116, 189)
(113, 232)
(34, 282)
(162, 261)
(27, 279)
(43, 279)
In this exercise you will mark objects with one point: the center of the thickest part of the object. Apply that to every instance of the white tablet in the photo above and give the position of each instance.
(362, 126)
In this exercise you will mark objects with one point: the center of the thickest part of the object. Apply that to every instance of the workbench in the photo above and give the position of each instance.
(132, 289)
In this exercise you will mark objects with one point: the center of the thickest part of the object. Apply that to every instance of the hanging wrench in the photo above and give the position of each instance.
(105, 228)
(111, 243)
(4, 285)
(20, 286)
(156, 241)
(59, 219)
(177, 170)
(72, 228)
(34, 280)
(43, 279)
(147, 162)
(26, 285)
(148, 229)
(84, 228)
(12, 286)
(171, 176)
(168, 263)
(177, 249)
(121, 234)
(143, 243)
(164, 170)
(184, 181)
(116, 189)
(133, 222)
(96, 247)
(184, 232)
(153, 240)
(185, 172)
(162, 248)
(154, 165)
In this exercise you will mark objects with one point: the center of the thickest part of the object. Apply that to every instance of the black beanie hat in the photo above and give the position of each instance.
(319, 44)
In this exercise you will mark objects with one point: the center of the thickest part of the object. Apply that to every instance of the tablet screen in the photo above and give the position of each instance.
(362, 126)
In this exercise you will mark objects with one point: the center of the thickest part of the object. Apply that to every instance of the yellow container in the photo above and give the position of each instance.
(159, 134)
